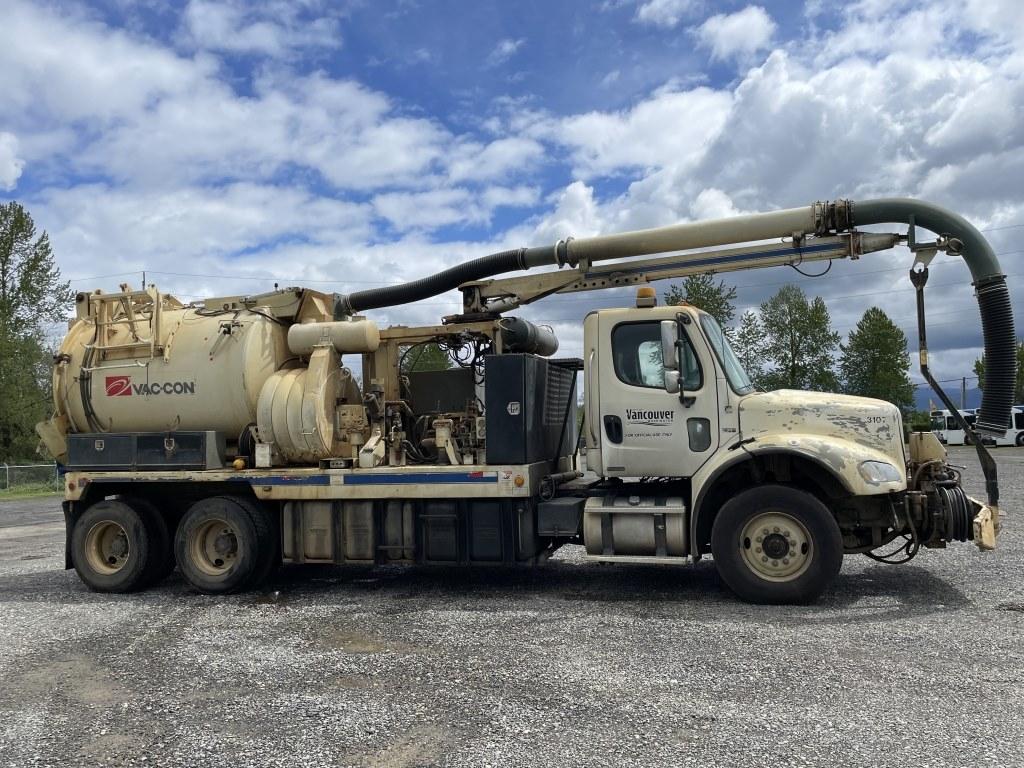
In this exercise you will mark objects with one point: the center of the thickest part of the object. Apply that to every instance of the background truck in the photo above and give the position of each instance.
(228, 436)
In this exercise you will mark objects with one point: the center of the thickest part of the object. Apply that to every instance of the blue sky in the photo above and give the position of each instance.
(225, 146)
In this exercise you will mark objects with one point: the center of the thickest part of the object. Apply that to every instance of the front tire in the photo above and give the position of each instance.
(224, 544)
(112, 548)
(776, 545)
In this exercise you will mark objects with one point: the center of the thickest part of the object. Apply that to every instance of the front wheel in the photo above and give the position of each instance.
(1020, 440)
(775, 544)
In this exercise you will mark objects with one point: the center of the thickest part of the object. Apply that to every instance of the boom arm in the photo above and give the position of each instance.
(504, 294)
(820, 223)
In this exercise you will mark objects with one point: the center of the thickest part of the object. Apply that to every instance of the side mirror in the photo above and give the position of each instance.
(670, 355)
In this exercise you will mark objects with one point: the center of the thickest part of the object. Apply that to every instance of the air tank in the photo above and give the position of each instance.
(204, 373)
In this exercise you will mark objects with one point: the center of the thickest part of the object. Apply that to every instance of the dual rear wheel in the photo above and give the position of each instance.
(222, 544)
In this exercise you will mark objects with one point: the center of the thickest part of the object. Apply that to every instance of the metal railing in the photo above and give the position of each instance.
(19, 475)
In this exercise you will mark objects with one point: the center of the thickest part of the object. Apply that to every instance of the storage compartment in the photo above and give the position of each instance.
(485, 532)
(560, 517)
(357, 520)
(307, 531)
(444, 532)
(440, 532)
(146, 451)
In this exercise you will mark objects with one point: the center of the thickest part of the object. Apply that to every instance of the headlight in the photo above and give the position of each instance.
(876, 472)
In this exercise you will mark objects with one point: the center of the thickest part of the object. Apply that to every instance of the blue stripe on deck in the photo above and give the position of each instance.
(287, 480)
(413, 478)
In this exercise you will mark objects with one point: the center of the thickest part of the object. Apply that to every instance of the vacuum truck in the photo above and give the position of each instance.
(226, 436)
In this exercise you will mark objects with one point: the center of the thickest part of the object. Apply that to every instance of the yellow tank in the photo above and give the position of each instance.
(174, 368)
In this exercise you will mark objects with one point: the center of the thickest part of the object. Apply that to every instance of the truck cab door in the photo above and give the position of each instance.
(644, 430)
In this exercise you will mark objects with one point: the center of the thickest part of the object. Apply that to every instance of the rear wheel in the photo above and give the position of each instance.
(112, 547)
(162, 549)
(224, 544)
(775, 544)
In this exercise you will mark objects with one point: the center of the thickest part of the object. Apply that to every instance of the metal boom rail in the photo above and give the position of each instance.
(503, 294)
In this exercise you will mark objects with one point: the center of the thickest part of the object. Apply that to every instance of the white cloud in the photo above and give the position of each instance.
(504, 50)
(576, 214)
(441, 207)
(664, 13)
(72, 69)
(737, 35)
(11, 164)
(475, 161)
(671, 127)
(272, 29)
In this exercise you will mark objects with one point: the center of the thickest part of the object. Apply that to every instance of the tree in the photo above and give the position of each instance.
(799, 342)
(702, 292)
(1018, 387)
(749, 344)
(32, 298)
(875, 362)
(425, 357)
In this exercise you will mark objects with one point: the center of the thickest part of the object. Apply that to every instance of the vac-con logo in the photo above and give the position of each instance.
(121, 386)
(650, 418)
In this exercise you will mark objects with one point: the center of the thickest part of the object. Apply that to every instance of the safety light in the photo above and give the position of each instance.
(646, 297)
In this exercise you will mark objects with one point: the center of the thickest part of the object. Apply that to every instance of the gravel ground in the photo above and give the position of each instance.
(571, 664)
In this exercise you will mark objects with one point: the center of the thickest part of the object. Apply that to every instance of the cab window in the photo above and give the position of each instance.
(636, 348)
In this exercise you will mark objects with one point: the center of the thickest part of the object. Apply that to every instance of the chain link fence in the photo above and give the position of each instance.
(28, 476)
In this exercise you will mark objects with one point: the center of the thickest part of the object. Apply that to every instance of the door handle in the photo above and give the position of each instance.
(613, 428)
(591, 396)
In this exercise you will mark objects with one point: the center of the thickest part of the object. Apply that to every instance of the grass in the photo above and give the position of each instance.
(29, 491)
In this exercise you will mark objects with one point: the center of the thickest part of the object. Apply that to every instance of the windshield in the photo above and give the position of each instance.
(738, 378)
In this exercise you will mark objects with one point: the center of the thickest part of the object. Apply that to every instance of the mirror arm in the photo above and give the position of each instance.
(682, 319)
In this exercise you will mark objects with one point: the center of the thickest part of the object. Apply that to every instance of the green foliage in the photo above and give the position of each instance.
(702, 292)
(425, 357)
(32, 296)
(1018, 387)
(749, 344)
(919, 421)
(874, 361)
(799, 342)
(29, 491)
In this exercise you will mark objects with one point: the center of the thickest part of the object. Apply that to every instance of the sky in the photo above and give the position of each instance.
(226, 147)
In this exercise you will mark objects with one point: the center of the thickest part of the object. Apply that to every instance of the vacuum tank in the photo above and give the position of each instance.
(164, 367)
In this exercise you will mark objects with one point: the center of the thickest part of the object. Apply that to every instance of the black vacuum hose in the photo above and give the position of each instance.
(1000, 355)
(989, 284)
(417, 290)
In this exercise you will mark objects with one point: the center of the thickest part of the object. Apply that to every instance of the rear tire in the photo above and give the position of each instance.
(776, 545)
(162, 549)
(225, 544)
(112, 547)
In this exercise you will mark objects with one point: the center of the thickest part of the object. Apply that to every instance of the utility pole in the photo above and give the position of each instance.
(143, 279)
(963, 393)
